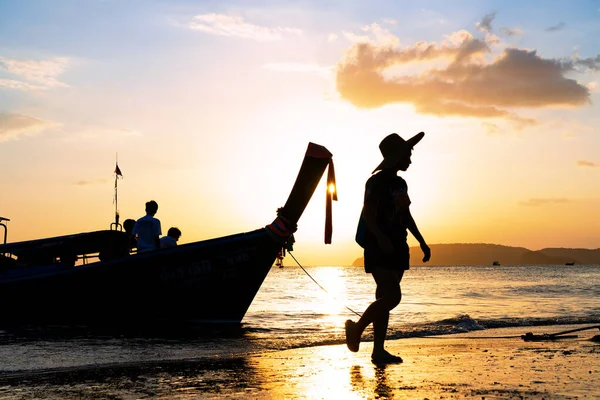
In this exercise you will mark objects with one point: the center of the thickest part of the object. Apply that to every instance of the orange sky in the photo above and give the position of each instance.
(210, 109)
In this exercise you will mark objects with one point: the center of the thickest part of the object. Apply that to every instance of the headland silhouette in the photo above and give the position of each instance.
(486, 254)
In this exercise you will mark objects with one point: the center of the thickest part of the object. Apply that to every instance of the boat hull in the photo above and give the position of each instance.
(207, 281)
(212, 281)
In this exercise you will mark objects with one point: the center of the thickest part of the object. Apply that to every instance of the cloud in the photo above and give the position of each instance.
(584, 163)
(13, 126)
(91, 182)
(33, 75)
(542, 202)
(378, 36)
(14, 84)
(227, 25)
(590, 63)
(556, 27)
(458, 77)
(491, 129)
(511, 31)
(485, 25)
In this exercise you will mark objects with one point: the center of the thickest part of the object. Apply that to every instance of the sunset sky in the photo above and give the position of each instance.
(210, 106)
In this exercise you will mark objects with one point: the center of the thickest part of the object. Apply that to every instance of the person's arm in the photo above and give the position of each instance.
(158, 233)
(412, 227)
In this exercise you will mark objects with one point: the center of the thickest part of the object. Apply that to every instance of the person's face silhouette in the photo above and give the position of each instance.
(404, 162)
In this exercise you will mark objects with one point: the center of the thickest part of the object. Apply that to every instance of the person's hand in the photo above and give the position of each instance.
(385, 244)
(426, 252)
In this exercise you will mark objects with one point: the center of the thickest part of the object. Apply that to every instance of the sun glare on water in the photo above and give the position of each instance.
(330, 302)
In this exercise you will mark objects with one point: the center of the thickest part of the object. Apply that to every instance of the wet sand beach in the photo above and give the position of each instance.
(455, 366)
(472, 365)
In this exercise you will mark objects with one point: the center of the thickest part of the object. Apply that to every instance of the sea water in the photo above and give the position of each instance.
(300, 307)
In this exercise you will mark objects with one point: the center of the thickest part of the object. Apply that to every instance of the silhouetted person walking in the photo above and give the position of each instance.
(383, 234)
(147, 229)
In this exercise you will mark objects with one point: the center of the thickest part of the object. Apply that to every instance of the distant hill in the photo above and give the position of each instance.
(486, 254)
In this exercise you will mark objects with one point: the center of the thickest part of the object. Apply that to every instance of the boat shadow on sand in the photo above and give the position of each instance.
(164, 378)
(178, 360)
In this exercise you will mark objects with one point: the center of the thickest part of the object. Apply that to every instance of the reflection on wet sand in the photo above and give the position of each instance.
(180, 379)
(448, 367)
(318, 372)
(382, 388)
(378, 386)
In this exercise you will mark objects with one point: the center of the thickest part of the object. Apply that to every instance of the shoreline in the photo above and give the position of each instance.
(480, 364)
(493, 363)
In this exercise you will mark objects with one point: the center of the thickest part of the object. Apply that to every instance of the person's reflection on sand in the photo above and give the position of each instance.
(379, 387)
(356, 378)
(382, 388)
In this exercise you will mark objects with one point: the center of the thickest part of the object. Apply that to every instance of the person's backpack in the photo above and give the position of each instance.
(361, 232)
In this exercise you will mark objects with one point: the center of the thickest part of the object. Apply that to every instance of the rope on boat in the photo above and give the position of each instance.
(325, 290)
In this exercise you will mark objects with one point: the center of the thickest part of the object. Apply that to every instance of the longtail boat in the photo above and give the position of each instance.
(93, 277)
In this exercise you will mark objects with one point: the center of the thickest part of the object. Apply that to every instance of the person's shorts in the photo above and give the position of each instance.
(398, 261)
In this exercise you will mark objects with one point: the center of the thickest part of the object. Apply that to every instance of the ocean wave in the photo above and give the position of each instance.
(476, 295)
(552, 290)
(459, 324)
(464, 323)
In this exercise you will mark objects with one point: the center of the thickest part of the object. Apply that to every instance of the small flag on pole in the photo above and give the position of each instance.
(118, 171)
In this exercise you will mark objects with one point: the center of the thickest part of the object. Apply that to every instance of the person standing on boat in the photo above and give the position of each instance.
(147, 229)
(171, 239)
(382, 232)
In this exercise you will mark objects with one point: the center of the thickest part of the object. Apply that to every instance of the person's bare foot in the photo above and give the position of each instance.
(352, 336)
(383, 357)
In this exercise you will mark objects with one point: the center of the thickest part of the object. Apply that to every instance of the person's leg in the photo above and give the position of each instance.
(380, 325)
(388, 296)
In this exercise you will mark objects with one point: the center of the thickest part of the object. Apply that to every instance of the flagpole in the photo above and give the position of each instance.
(116, 224)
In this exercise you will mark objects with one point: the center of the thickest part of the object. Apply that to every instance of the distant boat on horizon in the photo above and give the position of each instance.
(570, 263)
(93, 278)
(496, 263)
